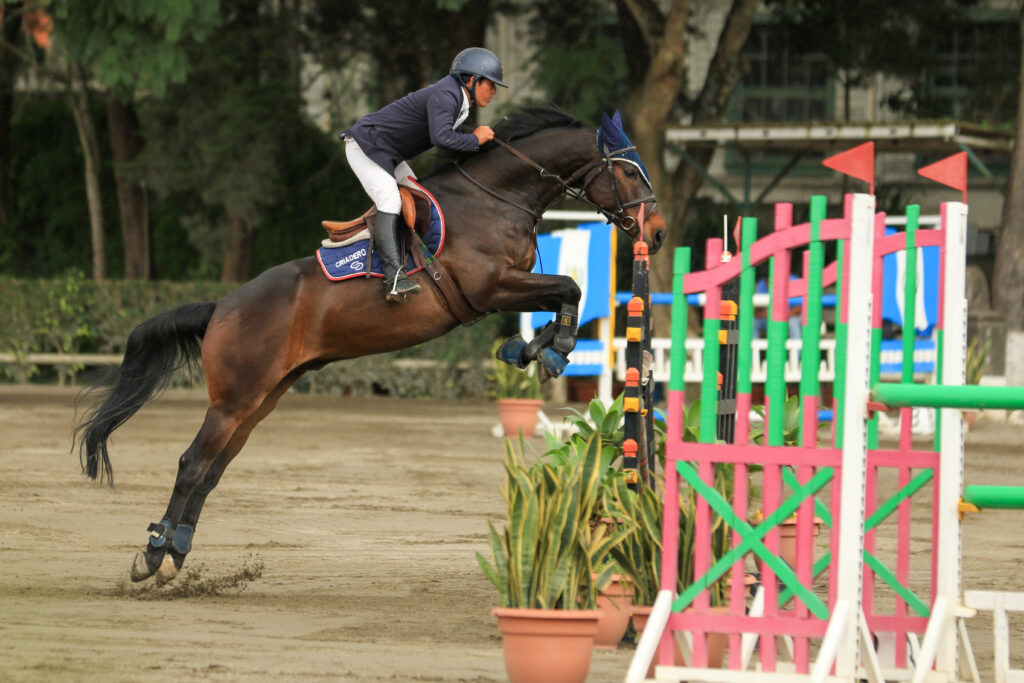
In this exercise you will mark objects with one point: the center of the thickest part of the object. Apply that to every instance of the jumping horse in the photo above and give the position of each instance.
(257, 340)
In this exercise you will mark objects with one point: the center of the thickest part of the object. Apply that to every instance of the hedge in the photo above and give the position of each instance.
(73, 314)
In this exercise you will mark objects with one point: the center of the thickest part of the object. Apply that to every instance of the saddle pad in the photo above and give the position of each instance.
(348, 261)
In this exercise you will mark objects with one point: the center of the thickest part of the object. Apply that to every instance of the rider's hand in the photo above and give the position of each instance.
(483, 134)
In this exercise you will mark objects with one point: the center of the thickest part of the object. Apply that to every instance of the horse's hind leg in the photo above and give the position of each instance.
(221, 437)
(182, 542)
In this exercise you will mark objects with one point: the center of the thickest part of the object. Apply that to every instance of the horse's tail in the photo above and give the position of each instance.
(155, 349)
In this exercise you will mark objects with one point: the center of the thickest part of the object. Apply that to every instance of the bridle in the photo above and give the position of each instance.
(627, 223)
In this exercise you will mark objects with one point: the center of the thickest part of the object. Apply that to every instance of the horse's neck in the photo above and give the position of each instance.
(560, 153)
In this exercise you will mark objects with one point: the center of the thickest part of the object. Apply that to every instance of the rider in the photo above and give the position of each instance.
(378, 145)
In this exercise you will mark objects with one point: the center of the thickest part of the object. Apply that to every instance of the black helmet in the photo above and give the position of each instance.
(477, 61)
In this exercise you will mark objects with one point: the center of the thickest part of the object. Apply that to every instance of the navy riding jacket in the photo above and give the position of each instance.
(413, 124)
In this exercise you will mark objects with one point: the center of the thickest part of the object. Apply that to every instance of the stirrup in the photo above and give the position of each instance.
(400, 287)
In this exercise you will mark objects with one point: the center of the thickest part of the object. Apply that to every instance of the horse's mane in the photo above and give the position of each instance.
(530, 120)
(518, 124)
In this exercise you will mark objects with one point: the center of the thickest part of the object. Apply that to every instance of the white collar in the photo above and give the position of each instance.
(464, 110)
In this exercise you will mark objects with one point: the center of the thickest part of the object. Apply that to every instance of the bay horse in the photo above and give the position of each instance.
(257, 340)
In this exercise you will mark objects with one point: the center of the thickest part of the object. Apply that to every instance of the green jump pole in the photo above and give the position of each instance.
(969, 397)
(1002, 497)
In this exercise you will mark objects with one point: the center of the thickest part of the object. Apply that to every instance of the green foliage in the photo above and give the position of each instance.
(48, 216)
(579, 59)
(639, 555)
(790, 429)
(133, 46)
(71, 314)
(605, 423)
(549, 555)
(509, 382)
(976, 362)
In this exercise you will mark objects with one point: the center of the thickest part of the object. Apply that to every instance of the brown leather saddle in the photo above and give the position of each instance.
(415, 212)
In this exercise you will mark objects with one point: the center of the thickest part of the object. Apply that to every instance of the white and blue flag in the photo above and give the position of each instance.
(584, 254)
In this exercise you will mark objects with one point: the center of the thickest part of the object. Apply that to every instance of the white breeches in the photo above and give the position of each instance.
(380, 185)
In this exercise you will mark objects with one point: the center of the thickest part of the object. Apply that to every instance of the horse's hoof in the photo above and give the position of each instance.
(551, 364)
(166, 572)
(140, 568)
(511, 352)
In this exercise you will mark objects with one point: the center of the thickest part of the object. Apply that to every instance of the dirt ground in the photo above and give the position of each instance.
(340, 546)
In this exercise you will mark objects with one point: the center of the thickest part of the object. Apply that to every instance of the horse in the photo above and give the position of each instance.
(256, 341)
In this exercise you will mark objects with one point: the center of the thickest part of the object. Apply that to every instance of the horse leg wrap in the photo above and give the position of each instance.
(541, 341)
(511, 352)
(160, 533)
(568, 323)
(182, 541)
(551, 364)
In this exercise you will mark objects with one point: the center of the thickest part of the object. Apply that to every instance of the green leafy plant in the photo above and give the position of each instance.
(510, 382)
(639, 555)
(606, 423)
(550, 555)
(976, 362)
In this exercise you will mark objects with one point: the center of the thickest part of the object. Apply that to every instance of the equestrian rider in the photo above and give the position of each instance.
(379, 144)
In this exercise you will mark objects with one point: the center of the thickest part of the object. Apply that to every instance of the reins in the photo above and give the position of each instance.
(568, 187)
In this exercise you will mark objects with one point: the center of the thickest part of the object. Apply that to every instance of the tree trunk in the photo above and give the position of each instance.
(724, 73)
(8, 74)
(1008, 278)
(78, 98)
(125, 145)
(237, 260)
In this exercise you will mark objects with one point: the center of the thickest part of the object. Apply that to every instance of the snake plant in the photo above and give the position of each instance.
(550, 554)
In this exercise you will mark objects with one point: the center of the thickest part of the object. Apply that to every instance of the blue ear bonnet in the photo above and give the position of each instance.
(612, 138)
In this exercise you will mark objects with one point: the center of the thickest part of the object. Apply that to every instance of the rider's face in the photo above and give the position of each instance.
(484, 90)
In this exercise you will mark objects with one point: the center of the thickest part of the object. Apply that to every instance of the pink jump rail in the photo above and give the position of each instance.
(806, 471)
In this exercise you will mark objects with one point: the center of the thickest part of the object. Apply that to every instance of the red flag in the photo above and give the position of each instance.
(858, 162)
(951, 171)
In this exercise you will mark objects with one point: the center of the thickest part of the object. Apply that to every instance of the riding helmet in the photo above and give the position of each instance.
(478, 61)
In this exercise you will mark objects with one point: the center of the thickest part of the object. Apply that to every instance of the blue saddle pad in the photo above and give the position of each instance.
(342, 263)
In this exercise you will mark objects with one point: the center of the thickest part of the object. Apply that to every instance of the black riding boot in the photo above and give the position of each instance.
(389, 245)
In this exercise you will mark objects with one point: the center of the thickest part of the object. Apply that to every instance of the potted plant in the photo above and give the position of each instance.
(614, 600)
(975, 366)
(548, 564)
(518, 395)
(639, 554)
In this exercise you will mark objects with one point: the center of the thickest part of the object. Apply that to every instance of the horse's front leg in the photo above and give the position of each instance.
(527, 292)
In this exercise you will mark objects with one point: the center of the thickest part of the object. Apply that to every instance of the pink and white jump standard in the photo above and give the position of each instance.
(867, 608)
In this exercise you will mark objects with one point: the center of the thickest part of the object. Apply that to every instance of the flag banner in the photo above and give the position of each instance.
(584, 254)
(858, 162)
(894, 271)
(951, 172)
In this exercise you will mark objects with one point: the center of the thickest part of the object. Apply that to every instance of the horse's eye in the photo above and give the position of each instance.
(631, 173)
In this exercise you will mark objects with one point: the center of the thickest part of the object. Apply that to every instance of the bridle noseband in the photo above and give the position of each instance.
(627, 223)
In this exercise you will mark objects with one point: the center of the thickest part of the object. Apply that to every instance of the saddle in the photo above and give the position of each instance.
(415, 213)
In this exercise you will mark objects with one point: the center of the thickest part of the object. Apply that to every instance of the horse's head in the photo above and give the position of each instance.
(620, 186)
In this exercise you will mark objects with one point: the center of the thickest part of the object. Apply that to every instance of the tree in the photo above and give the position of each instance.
(218, 136)
(868, 37)
(1008, 277)
(405, 58)
(10, 63)
(659, 99)
(128, 49)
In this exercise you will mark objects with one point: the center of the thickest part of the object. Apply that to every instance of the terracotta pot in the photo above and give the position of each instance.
(787, 542)
(519, 414)
(615, 604)
(717, 642)
(547, 646)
